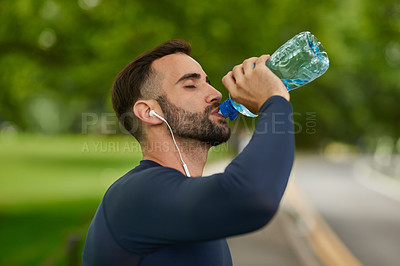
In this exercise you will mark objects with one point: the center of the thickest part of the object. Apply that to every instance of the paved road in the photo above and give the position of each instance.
(368, 222)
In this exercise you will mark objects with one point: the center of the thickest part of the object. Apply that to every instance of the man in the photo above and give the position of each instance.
(157, 215)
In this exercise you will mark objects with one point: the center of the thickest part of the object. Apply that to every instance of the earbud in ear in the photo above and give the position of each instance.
(153, 113)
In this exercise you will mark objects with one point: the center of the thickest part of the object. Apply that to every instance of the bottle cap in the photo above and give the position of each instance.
(228, 110)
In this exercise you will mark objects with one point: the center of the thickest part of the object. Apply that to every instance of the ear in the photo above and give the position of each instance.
(142, 109)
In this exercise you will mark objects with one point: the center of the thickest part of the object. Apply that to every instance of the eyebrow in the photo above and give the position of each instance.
(189, 76)
(192, 76)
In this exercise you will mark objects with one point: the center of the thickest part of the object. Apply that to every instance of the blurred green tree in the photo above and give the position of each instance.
(59, 58)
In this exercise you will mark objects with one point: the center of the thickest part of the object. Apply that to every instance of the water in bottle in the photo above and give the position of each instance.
(298, 62)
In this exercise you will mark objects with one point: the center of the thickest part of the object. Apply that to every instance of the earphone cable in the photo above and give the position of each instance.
(176, 145)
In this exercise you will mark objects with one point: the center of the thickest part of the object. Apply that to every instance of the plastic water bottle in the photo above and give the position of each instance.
(298, 62)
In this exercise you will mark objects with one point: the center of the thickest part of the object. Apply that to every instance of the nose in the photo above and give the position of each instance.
(213, 95)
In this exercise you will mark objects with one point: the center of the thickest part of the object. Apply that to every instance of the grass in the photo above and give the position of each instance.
(50, 188)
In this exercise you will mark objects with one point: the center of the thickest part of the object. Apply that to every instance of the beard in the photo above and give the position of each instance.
(196, 126)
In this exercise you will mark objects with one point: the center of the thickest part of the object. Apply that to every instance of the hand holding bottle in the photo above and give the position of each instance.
(297, 62)
(252, 83)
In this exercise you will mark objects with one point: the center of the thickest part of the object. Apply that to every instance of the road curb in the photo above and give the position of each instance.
(329, 249)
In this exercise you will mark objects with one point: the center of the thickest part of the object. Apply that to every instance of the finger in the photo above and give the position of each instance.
(229, 82)
(248, 64)
(262, 60)
(237, 72)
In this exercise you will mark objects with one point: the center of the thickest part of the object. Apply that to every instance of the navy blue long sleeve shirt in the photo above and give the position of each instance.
(155, 215)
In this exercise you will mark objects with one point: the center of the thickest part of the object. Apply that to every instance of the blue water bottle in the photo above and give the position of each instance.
(298, 62)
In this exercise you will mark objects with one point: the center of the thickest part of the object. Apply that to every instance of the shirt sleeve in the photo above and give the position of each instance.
(160, 206)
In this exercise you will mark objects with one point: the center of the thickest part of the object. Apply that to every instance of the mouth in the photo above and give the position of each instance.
(217, 113)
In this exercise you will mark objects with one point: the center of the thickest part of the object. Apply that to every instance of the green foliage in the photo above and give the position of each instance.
(59, 58)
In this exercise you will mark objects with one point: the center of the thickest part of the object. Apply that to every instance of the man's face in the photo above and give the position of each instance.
(190, 103)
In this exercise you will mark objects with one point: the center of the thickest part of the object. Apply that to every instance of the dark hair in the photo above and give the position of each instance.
(136, 81)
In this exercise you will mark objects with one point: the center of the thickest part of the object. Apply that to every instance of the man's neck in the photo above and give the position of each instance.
(194, 153)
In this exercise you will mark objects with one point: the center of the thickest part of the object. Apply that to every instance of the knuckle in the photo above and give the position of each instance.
(248, 60)
(227, 75)
(263, 57)
(224, 81)
(236, 68)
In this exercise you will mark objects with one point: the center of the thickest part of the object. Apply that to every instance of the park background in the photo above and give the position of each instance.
(61, 147)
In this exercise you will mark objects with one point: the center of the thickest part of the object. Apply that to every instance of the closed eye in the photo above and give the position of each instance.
(190, 86)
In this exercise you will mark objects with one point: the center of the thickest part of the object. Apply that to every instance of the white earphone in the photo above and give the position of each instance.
(153, 113)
